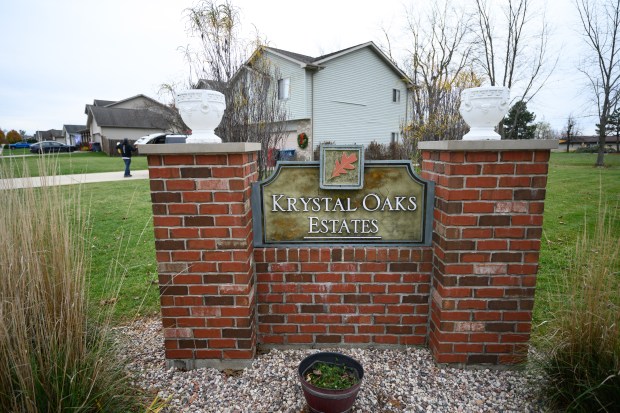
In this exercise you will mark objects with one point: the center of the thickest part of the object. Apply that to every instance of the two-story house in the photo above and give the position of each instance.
(353, 96)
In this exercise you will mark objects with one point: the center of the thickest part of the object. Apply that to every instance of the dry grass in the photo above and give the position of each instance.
(53, 357)
(583, 336)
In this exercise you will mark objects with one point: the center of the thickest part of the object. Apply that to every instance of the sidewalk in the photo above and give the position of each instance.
(38, 181)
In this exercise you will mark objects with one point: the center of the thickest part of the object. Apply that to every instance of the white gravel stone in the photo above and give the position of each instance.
(395, 380)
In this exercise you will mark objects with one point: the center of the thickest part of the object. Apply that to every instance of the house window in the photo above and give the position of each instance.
(396, 95)
(284, 88)
(394, 138)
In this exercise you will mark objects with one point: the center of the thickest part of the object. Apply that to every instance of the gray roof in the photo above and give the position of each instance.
(325, 56)
(129, 118)
(296, 56)
(317, 61)
(100, 102)
(210, 84)
(74, 128)
(48, 134)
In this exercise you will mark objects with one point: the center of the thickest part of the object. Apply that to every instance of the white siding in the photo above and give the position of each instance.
(353, 100)
(297, 105)
(129, 133)
(95, 130)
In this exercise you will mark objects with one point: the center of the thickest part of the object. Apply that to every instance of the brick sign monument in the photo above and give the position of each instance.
(348, 253)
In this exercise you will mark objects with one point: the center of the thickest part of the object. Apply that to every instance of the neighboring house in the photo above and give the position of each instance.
(583, 140)
(109, 122)
(353, 96)
(73, 134)
(49, 135)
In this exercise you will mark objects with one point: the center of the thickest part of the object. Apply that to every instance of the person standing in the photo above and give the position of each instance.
(125, 149)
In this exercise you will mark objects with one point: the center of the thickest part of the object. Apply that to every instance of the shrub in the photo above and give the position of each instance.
(378, 152)
(581, 354)
(317, 150)
(375, 151)
(53, 357)
(594, 149)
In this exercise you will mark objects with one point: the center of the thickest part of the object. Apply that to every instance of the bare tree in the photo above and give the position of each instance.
(514, 55)
(570, 130)
(222, 62)
(544, 131)
(438, 63)
(172, 116)
(601, 31)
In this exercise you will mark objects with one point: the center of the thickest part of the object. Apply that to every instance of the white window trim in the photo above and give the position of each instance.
(396, 95)
(286, 81)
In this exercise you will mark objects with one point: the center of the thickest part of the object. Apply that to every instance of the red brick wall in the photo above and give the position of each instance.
(469, 296)
(343, 296)
(204, 246)
(488, 223)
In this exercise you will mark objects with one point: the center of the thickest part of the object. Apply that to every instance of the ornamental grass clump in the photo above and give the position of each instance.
(582, 343)
(53, 358)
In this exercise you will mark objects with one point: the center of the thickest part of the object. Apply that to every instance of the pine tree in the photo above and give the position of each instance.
(613, 127)
(518, 122)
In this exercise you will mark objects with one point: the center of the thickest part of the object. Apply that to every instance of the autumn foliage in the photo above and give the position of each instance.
(13, 136)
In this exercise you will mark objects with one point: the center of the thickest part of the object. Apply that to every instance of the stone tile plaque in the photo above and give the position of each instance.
(342, 167)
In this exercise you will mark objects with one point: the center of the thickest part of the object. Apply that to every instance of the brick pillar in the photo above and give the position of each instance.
(203, 240)
(489, 201)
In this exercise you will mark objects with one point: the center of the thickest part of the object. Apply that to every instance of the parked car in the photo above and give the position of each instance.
(157, 138)
(50, 146)
(19, 145)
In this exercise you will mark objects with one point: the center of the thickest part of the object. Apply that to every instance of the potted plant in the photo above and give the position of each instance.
(330, 381)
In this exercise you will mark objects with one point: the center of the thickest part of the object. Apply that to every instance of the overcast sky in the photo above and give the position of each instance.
(57, 56)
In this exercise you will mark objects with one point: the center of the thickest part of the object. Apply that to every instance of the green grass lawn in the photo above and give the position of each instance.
(574, 188)
(123, 248)
(123, 242)
(67, 163)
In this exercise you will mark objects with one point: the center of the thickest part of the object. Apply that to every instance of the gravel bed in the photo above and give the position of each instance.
(404, 380)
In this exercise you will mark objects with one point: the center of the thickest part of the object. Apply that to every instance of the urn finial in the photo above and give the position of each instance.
(202, 111)
(483, 108)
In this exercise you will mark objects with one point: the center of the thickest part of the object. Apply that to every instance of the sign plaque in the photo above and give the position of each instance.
(343, 201)
(342, 167)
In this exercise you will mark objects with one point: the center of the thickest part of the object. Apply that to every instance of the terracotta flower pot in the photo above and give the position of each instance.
(322, 400)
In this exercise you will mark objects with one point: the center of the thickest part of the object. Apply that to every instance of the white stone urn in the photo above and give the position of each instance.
(202, 111)
(483, 108)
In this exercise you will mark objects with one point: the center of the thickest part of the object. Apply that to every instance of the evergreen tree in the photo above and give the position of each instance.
(518, 122)
(613, 127)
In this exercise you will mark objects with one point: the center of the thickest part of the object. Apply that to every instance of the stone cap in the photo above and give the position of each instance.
(198, 148)
(490, 145)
